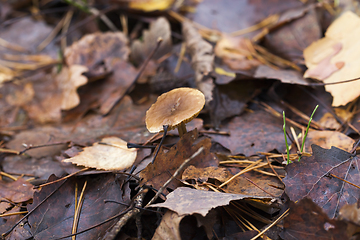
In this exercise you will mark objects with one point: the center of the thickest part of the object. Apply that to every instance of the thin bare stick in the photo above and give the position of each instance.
(177, 172)
(125, 218)
(60, 179)
(40, 146)
(248, 168)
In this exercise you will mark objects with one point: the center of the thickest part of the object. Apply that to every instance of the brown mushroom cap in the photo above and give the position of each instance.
(174, 107)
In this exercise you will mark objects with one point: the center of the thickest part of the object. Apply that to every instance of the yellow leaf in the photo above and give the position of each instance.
(151, 5)
(109, 154)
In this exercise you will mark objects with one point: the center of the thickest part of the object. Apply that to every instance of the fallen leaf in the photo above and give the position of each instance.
(232, 98)
(306, 220)
(186, 201)
(21, 97)
(232, 16)
(251, 133)
(351, 213)
(334, 58)
(92, 49)
(312, 177)
(202, 59)
(54, 217)
(169, 227)
(110, 153)
(40, 168)
(7, 222)
(284, 75)
(328, 139)
(68, 80)
(17, 191)
(235, 52)
(251, 184)
(296, 29)
(160, 28)
(168, 162)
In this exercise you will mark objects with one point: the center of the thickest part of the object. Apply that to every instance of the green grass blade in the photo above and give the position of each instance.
(306, 132)
(286, 143)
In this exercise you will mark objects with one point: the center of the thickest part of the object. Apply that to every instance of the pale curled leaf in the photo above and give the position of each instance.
(110, 154)
(335, 58)
(69, 80)
(189, 201)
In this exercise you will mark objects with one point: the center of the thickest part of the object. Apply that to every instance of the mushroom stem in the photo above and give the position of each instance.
(182, 129)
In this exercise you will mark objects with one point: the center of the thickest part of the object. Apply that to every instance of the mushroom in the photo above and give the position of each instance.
(174, 109)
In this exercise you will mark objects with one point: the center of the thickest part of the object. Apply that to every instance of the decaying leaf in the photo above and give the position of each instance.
(306, 220)
(54, 218)
(251, 184)
(168, 162)
(202, 59)
(92, 49)
(186, 201)
(169, 227)
(110, 153)
(328, 139)
(158, 29)
(234, 51)
(68, 80)
(335, 58)
(350, 212)
(17, 191)
(252, 132)
(317, 177)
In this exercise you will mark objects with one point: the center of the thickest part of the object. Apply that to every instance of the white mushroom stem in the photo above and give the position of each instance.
(182, 129)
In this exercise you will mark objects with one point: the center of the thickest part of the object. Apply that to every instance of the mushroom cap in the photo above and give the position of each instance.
(174, 107)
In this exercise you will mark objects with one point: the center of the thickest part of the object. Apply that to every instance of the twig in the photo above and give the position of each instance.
(124, 219)
(40, 146)
(182, 166)
(60, 179)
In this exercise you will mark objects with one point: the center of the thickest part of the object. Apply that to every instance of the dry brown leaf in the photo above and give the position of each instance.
(185, 201)
(109, 154)
(202, 59)
(69, 79)
(169, 227)
(327, 139)
(235, 53)
(335, 58)
(141, 49)
(20, 98)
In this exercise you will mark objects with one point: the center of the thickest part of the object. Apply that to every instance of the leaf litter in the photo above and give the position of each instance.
(64, 111)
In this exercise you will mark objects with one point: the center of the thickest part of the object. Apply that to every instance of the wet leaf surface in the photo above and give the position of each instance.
(312, 178)
(251, 133)
(306, 220)
(54, 217)
(17, 191)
